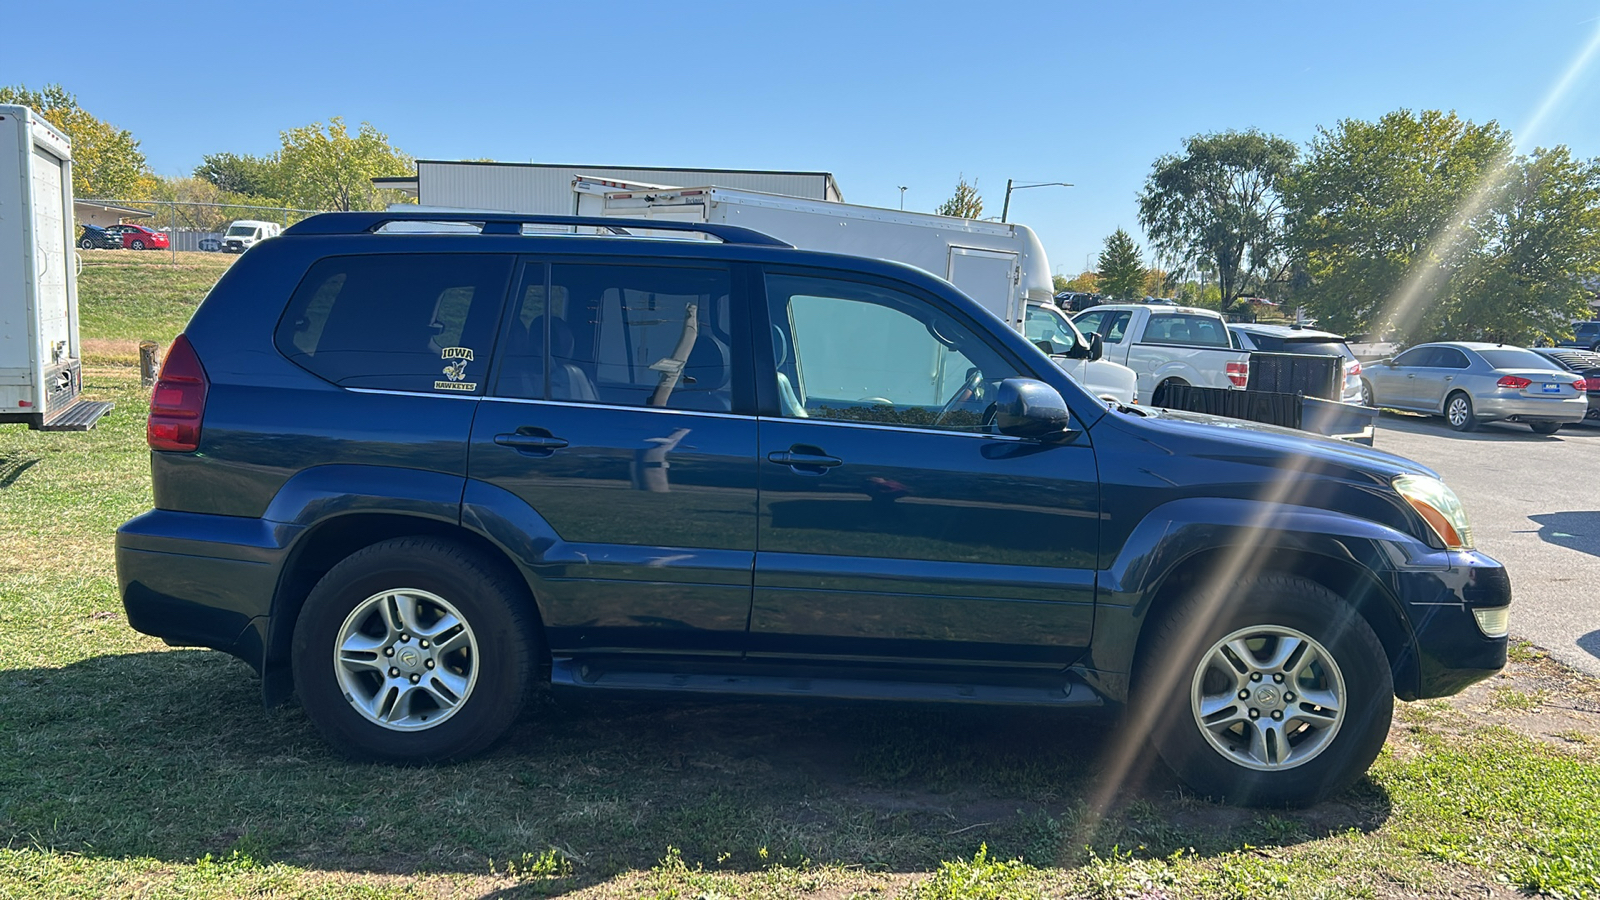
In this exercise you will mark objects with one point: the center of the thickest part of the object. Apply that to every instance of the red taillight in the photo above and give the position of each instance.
(1582, 384)
(1512, 381)
(1239, 373)
(1591, 384)
(1355, 367)
(178, 403)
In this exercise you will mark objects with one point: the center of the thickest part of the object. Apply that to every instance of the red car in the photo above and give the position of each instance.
(138, 237)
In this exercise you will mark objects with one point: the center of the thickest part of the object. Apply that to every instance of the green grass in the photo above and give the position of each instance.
(130, 769)
(126, 297)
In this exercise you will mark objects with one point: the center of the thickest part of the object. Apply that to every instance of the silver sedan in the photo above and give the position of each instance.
(1469, 383)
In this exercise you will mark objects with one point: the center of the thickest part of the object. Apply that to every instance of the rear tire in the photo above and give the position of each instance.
(414, 650)
(86, 244)
(1458, 412)
(1319, 693)
(138, 245)
(1545, 427)
(1367, 397)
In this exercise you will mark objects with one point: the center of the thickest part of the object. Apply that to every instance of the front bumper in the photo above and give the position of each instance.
(1450, 652)
(200, 580)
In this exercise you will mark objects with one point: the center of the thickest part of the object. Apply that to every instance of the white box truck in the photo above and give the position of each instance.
(1002, 266)
(41, 373)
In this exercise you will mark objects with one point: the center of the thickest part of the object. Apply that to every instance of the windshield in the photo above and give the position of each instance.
(1044, 324)
(1517, 358)
(241, 230)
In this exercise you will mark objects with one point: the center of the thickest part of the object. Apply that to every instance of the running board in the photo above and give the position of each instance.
(1059, 690)
(80, 416)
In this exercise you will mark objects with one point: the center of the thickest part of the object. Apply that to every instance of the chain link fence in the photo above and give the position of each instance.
(197, 227)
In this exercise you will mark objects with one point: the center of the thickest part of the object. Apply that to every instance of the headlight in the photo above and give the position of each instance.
(1439, 506)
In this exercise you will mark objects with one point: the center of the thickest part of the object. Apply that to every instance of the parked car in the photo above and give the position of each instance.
(1076, 301)
(93, 237)
(408, 475)
(1051, 331)
(1168, 345)
(1585, 335)
(138, 237)
(1295, 339)
(211, 244)
(1584, 363)
(1471, 383)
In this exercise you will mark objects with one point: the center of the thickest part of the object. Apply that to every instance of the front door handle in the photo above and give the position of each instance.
(533, 441)
(804, 459)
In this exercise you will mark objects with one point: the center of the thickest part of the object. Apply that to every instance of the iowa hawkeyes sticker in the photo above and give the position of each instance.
(456, 370)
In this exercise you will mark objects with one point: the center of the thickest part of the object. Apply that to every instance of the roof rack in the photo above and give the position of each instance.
(511, 224)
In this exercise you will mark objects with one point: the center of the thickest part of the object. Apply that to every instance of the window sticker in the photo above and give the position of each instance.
(456, 371)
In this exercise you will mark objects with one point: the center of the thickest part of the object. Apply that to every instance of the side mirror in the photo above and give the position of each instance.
(1387, 361)
(1030, 409)
(1097, 345)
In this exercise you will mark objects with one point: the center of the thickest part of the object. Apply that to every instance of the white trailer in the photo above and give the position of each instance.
(1002, 266)
(41, 373)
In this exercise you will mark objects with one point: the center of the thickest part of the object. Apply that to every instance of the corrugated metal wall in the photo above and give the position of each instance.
(547, 190)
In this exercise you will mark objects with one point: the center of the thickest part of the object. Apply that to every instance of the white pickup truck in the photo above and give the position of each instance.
(1051, 330)
(1167, 345)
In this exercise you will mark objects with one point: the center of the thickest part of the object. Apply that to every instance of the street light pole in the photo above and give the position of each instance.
(902, 197)
(1005, 210)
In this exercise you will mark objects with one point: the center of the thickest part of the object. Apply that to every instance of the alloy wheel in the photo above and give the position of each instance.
(406, 660)
(1268, 697)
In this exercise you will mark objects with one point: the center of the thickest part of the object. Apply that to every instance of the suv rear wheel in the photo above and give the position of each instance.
(414, 650)
(1282, 696)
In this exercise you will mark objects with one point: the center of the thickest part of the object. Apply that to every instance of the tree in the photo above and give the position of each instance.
(329, 169)
(106, 161)
(1219, 202)
(1399, 223)
(1085, 282)
(249, 176)
(1121, 273)
(964, 204)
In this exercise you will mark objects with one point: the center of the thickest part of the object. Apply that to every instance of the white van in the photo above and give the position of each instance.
(243, 234)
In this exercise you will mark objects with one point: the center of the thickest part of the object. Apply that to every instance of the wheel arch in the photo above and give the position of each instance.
(325, 543)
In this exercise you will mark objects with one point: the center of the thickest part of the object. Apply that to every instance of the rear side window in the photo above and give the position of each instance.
(1199, 331)
(414, 322)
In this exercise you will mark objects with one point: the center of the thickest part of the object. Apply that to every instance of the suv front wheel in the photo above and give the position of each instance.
(1277, 693)
(414, 650)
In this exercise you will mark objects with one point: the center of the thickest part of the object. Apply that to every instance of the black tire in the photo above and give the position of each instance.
(497, 612)
(1458, 412)
(86, 244)
(1159, 396)
(1172, 671)
(1367, 397)
(138, 245)
(1545, 427)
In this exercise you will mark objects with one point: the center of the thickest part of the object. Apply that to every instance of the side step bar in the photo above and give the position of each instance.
(1062, 690)
(80, 416)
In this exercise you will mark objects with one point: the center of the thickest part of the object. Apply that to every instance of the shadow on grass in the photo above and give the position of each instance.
(170, 755)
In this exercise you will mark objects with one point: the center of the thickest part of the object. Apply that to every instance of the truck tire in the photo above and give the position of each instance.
(414, 650)
(1273, 691)
(1158, 397)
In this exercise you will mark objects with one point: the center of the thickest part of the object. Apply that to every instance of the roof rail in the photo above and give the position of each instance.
(511, 223)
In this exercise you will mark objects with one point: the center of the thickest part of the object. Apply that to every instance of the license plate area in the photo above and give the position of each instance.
(1552, 388)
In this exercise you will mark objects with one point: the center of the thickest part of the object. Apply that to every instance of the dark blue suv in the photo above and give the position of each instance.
(413, 475)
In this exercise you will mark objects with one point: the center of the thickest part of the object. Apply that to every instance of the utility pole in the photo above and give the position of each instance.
(1006, 208)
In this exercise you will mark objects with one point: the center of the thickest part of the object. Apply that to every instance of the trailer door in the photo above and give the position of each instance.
(50, 237)
(989, 277)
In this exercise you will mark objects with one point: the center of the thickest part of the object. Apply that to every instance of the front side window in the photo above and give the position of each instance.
(1089, 321)
(624, 335)
(1415, 357)
(1045, 326)
(863, 353)
(413, 322)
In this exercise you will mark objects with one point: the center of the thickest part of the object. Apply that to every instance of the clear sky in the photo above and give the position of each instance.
(880, 94)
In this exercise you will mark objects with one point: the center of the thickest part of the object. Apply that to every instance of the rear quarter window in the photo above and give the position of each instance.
(414, 322)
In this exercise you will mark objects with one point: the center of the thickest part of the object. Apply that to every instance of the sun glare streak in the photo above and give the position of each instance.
(1403, 306)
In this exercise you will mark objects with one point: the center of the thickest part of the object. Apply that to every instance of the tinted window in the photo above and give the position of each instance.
(651, 336)
(1118, 326)
(417, 322)
(1200, 331)
(869, 354)
(1416, 356)
(1516, 358)
(1274, 344)
(1448, 358)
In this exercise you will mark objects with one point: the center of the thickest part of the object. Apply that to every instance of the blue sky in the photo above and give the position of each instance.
(880, 94)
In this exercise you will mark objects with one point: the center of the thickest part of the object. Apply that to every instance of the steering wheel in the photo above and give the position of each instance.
(969, 389)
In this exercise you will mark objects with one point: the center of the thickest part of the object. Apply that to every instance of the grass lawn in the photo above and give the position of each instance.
(129, 769)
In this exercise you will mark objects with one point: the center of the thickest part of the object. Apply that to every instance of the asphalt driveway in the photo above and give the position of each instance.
(1534, 503)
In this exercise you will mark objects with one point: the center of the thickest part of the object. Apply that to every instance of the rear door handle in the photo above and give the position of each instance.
(801, 460)
(541, 444)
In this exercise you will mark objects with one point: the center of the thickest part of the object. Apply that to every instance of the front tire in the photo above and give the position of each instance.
(1458, 412)
(414, 650)
(1271, 692)
(86, 244)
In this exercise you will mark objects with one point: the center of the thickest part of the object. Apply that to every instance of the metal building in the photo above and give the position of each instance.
(546, 189)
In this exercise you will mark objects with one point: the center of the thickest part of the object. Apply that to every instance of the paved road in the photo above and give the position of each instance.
(1534, 504)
